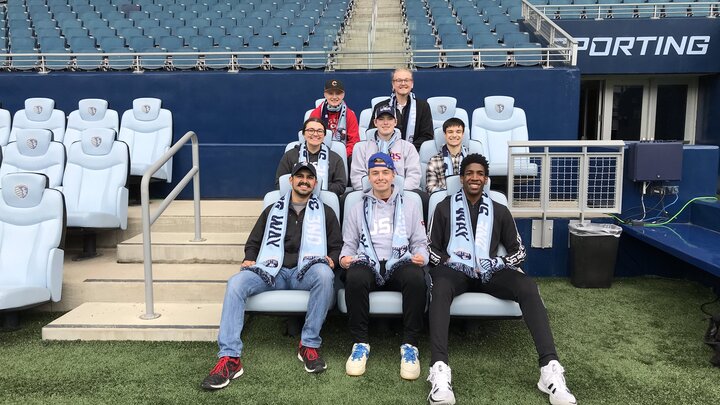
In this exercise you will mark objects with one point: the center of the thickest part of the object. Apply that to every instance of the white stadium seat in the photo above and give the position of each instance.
(35, 151)
(147, 129)
(91, 113)
(39, 113)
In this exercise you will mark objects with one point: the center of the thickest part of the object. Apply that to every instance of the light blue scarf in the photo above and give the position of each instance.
(400, 242)
(449, 167)
(412, 117)
(383, 145)
(323, 162)
(471, 255)
(313, 246)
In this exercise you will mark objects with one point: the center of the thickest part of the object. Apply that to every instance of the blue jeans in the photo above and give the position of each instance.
(318, 280)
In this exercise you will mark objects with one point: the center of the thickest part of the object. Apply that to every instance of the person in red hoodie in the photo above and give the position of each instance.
(337, 116)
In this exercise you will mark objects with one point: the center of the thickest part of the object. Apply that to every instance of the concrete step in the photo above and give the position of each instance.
(102, 279)
(178, 247)
(121, 321)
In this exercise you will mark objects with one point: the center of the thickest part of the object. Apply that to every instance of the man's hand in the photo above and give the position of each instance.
(331, 263)
(418, 259)
(247, 263)
(346, 261)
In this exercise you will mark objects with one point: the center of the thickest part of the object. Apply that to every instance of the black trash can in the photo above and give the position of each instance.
(593, 252)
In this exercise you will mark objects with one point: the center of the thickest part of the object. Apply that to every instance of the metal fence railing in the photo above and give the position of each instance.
(631, 10)
(550, 31)
(570, 178)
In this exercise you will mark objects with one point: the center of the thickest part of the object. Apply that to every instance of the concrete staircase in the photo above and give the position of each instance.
(106, 295)
(389, 42)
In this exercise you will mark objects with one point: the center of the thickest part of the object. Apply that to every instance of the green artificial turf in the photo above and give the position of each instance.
(639, 342)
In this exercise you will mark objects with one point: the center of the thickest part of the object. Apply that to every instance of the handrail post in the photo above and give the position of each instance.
(148, 219)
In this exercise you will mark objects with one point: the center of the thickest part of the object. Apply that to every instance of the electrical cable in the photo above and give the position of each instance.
(664, 209)
(704, 198)
(642, 199)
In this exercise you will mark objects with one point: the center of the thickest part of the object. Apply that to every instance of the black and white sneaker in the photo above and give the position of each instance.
(441, 392)
(552, 382)
(311, 359)
(226, 369)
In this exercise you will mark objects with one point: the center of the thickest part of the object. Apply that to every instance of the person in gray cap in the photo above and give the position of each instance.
(337, 116)
(294, 245)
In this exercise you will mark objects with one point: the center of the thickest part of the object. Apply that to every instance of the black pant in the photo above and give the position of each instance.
(505, 284)
(409, 279)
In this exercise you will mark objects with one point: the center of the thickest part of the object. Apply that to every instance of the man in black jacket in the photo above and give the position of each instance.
(294, 245)
(464, 261)
(414, 118)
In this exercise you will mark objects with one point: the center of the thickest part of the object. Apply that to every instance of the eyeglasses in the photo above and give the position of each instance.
(402, 80)
(311, 131)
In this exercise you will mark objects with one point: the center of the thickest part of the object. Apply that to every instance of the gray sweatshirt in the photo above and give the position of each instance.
(403, 153)
(382, 227)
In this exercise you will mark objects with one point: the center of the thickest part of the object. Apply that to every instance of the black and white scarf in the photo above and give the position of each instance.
(448, 163)
(340, 131)
(323, 163)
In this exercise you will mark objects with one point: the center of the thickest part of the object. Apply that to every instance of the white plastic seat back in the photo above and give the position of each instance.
(5, 126)
(91, 113)
(375, 100)
(95, 181)
(428, 149)
(147, 129)
(34, 151)
(473, 304)
(442, 108)
(496, 124)
(364, 122)
(39, 113)
(32, 229)
(328, 198)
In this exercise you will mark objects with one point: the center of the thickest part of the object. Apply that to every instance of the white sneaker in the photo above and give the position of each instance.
(441, 392)
(409, 362)
(355, 365)
(552, 382)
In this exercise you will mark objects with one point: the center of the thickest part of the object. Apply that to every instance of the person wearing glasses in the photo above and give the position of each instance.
(337, 116)
(414, 119)
(329, 165)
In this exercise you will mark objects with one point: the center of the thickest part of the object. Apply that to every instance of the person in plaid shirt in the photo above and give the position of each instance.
(447, 161)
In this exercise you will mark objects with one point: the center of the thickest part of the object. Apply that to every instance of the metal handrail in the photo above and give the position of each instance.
(147, 219)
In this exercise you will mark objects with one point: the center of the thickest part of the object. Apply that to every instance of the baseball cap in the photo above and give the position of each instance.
(381, 160)
(304, 165)
(385, 109)
(334, 85)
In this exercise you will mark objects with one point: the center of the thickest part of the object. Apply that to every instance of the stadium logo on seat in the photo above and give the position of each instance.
(96, 141)
(92, 111)
(21, 191)
(146, 108)
(38, 109)
(441, 109)
(31, 143)
(499, 108)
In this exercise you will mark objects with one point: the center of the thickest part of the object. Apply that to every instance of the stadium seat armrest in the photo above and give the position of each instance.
(55, 273)
(122, 207)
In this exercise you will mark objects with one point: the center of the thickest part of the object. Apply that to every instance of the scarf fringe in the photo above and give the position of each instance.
(311, 261)
(467, 270)
(264, 275)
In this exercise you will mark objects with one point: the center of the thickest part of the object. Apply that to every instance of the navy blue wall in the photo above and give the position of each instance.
(708, 131)
(245, 120)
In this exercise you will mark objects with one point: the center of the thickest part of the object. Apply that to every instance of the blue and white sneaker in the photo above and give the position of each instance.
(409, 362)
(552, 382)
(355, 365)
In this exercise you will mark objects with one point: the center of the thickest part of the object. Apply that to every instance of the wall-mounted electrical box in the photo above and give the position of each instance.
(655, 161)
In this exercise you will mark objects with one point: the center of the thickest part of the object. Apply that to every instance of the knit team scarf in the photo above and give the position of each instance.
(410, 128)
(340, 131)
(449, 167)
(400, 243)
(383, 145)
(468, 253)
(313, 245)
(323, 162)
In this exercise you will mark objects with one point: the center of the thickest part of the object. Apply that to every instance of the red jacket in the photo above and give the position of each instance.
(352, 125)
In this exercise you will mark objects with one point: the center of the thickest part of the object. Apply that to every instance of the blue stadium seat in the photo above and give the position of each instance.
(113, 42)
(35, 151)
(201, 43)
(527, 58)
(232, 43)
(147, 129)
(32, 225)
(213, 32)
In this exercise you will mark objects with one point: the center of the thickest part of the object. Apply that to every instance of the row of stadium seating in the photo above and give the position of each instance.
(462, 25)
(106, 27)
(580, 9)
(146, 128)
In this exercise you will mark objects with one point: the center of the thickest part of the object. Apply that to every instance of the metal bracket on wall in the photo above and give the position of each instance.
(542, 233)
